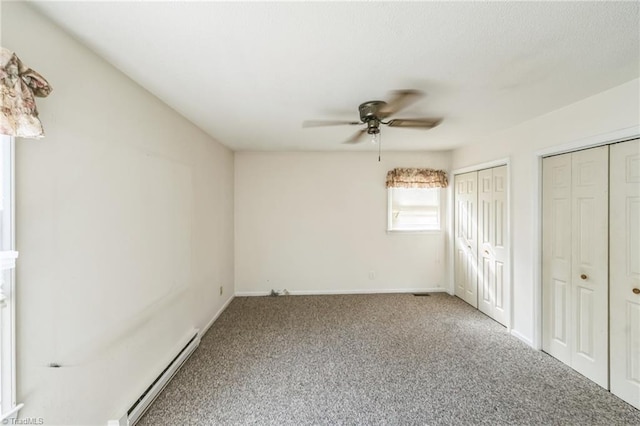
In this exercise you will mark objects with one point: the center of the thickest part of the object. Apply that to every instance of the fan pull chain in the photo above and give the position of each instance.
(379, 145)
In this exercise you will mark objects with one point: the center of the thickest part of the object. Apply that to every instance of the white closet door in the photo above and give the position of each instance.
(492, 239)
(556, 256)
(466, 241)
(575, 261)
(625, 271)
(590, 263)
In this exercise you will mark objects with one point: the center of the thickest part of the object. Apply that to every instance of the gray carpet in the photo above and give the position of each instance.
(374, 360)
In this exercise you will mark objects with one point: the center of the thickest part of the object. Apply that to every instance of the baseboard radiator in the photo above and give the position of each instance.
(138, 409)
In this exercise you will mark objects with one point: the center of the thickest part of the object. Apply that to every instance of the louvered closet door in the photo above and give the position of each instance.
(466, 241)
(625, 271)
(575, 261)
(492, 240)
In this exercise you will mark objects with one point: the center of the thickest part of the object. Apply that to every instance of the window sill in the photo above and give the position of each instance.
(411, 232)
(8, 259)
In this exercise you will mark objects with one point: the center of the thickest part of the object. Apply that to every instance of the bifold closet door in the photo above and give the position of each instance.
(492, 240)
(575, 261)
(466, 238)
(625, 271)
(556, 256)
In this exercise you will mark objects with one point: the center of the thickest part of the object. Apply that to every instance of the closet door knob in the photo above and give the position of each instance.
(583, 276)
(636, 291)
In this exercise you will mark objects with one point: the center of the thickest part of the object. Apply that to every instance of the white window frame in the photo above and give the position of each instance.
(390, 227)
(8, 407)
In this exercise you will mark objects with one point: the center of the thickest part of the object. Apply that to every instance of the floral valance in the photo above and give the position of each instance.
(416, 178)
(18, 86)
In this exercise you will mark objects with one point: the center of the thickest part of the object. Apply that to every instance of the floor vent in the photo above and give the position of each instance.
(421, 294)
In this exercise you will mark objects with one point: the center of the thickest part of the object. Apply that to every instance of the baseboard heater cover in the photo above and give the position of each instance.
(138, 409)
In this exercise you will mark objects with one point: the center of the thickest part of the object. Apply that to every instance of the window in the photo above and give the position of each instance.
(414, 209)
(8, 406)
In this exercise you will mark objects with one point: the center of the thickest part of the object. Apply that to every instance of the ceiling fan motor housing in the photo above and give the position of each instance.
(369, 115)
(369, 110)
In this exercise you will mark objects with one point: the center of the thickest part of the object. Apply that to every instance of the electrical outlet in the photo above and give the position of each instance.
(221, 290)
(372, 275)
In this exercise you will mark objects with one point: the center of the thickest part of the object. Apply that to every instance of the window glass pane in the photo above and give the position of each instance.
(415, 197)
(414, 209)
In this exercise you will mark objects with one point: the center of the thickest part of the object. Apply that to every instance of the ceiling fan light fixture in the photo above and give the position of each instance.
(373, 126)
(373, 129)
(375, 138)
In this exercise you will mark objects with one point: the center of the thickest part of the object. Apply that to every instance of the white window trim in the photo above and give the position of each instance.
(413, 231)
(8, 406)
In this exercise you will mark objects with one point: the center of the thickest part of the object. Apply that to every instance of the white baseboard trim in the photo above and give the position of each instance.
(216, 315)
(338, 292)
(522, 337)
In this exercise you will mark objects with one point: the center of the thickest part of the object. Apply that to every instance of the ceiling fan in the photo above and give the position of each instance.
(373, 114)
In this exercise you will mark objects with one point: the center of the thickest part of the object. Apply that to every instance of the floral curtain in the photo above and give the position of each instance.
(18, 86)
(416, 178)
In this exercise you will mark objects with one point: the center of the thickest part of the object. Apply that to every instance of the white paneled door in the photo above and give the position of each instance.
(481, 267)
(625, 271)
(492, 239)
(556, 256)
(590, 263)
(576, 261)
(466, 238)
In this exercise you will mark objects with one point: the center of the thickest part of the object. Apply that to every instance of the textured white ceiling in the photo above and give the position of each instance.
(250, 73)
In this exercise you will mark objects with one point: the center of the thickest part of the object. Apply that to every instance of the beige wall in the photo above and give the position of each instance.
(316, 222)
(581, 123)
(124, 227)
